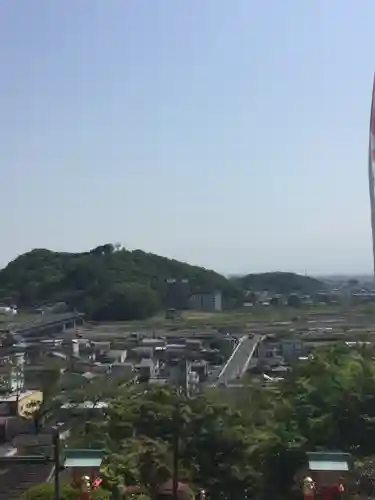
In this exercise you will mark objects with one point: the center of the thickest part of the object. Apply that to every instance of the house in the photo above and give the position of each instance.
(175, 351)
(21, 404)
(143, 352)
(292, 349)
(157, 342)
(116, 355)
(146, 369)
(206, 301)
(12, 376)
(12, 407)
(125, 370)
(201, 368)
(100, 345)
(193, 345)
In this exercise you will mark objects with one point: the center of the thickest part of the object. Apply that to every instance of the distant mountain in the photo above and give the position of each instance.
(279, 283)
(345, 278)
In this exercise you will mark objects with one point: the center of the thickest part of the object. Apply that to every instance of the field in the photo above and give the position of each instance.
(348, 322)
(242, 320)
(17, 319)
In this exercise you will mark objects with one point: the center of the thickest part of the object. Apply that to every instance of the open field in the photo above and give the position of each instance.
(17, 319)
(268, 320)
(350, 323)
(251, 316)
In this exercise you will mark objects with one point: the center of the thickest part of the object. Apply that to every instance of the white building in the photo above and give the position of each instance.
(207, 301)
(8, 311)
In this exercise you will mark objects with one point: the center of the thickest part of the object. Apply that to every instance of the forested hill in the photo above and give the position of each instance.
(279, 282)
(110, 283)
(91, 281)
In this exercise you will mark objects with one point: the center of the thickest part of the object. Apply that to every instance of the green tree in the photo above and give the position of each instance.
(215, 450)
(126, 302)
(280, 283)
(46, 492)
(332, 397)
(249, 441)
(294, 300)
(142, 461)
(94, 281)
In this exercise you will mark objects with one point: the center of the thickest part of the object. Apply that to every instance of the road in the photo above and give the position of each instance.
(238, 362)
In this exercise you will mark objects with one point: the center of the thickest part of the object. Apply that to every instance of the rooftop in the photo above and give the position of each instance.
(13, 397)
(145, 362)
(83, 458)
(116, 352)
(328, 461)
(86, 405)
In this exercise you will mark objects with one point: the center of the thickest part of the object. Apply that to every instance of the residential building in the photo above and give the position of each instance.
(100, 345)
(177, 294)
(292, 349)
(21, 404)
(172, 351)
(201, 369)
(156, 342)
(193, 345)
(146, 369)
(12, 373)
(207, 301)
(117, 355)
(125, 370)
(142, 352)
(178, 373)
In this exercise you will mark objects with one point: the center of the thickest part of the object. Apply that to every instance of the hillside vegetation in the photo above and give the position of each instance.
(280, 283)
(110, 284)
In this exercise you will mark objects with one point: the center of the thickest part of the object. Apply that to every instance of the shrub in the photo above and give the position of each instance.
(46, 491)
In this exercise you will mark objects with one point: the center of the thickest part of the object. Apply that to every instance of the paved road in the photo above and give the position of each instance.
(239, 360)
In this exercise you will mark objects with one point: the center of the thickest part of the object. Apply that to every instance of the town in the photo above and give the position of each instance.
(51, 349)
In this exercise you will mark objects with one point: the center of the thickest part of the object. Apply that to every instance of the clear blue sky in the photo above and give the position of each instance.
(230, 134)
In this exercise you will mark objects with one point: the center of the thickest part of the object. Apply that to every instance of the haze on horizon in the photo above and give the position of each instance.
(231, 135)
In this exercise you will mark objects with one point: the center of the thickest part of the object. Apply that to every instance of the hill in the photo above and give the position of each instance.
(279, 283)
(108, 284)
(105, 283)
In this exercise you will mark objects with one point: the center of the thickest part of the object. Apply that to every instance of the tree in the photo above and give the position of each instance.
(275, 301)
(214, 442)
(280, 283)
(142, 461)
(248, 442)
(90, 281)
(332, 396)
(294, 300)
(124, 302)
(46, 492)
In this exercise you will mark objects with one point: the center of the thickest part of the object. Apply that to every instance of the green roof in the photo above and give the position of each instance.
(83, 458)
(328, 461)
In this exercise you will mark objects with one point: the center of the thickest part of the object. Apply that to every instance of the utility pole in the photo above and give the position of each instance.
(176, 451)
(182, 390)
(56, 460)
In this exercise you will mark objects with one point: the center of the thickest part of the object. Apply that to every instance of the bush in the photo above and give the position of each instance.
(46, 491)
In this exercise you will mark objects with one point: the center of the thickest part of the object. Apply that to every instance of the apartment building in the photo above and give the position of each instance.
(207, 301)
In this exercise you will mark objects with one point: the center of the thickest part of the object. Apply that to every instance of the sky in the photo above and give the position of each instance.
(228, 134)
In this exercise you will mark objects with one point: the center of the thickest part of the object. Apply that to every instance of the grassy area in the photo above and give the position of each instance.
(17, 319)
(262, 320)
(240, 320)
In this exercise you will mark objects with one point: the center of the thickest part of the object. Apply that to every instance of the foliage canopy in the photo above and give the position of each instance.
(108, 283)
(252, 444)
